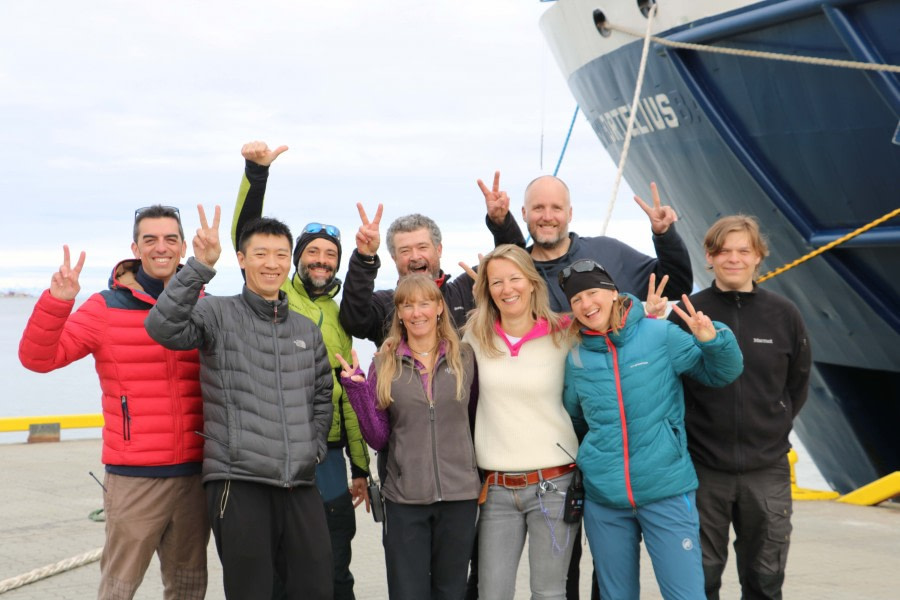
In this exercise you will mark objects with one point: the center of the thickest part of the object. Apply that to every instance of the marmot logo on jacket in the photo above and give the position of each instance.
(762, 341)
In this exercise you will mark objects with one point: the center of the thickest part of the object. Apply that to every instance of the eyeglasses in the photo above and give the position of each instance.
(585, 265)
(329, 229)
(166, 211)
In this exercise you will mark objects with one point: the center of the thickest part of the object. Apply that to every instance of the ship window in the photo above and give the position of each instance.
(645, 6)
(600, 23)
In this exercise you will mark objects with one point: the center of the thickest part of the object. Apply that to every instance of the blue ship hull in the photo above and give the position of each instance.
(813, 152)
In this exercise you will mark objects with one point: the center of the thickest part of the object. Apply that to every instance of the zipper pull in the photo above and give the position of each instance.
(431, 410)
(126, 419)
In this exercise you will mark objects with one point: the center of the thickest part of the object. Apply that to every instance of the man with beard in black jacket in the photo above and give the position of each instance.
(738, 434)
(414, 243)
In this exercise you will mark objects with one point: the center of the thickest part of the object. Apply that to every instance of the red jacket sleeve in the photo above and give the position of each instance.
(55, 337)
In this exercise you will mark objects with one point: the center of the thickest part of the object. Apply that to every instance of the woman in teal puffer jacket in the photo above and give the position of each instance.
(623, 390)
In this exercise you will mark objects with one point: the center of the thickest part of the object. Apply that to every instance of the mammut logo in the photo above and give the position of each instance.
(300, 344)
(762, 341)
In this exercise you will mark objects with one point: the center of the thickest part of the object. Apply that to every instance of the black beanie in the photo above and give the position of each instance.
(584, 275)
(306, 237)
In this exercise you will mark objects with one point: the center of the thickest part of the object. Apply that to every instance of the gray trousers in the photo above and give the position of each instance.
(758, 505)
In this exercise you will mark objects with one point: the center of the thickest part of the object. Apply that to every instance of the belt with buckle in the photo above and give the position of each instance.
(520, 480)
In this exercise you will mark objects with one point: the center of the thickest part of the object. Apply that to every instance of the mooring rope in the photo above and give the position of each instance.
(645, 52)
(50, 570)
(829, 245)
(809, 60)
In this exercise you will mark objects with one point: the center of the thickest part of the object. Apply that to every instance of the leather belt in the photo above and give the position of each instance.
(520, 480)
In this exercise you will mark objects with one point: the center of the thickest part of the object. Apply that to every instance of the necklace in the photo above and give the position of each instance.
(414, 351)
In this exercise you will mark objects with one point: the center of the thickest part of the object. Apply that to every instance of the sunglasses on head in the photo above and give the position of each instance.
(331, 230)
(585, 265)
(170, 209)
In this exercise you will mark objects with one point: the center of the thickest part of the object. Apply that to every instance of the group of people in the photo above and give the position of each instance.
(492, 396)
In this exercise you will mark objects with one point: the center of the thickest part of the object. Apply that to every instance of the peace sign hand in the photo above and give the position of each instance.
(469, 270)
(656, 303)
(368, 238)
(64, 283)
(259, 153)
(661, 217)
(700, 325)
(350, 371)
(496, 201)
(207, 248)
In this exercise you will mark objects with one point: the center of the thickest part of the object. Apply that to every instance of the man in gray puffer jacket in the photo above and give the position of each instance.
(266, 384)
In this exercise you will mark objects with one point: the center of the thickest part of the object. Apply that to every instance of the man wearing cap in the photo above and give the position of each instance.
(547, 212)
(311, 292)
(152, 408)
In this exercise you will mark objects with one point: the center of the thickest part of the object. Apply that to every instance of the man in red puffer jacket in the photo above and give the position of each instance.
(152, 410)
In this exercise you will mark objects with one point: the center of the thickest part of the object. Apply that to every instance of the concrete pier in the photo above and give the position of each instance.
(837, 551)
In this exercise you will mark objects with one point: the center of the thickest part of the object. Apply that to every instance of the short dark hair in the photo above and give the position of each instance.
(265, 226)
(157, 211)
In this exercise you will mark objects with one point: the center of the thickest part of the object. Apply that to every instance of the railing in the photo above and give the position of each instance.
(8, 424)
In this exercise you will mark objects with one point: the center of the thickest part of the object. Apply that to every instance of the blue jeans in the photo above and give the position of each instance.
(505, 519)
(671, 530)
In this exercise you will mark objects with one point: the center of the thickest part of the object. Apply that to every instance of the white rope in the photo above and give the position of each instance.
(50, 570)
(810, 60)
(631, 117)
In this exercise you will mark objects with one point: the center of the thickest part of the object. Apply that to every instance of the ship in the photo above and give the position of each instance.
(811, 150)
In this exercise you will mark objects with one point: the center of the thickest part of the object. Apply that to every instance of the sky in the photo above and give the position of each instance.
(110, 106)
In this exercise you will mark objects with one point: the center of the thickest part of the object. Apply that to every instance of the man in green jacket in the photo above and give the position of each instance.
(311, 292)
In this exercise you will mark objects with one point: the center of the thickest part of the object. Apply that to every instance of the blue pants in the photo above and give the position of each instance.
(671, 530)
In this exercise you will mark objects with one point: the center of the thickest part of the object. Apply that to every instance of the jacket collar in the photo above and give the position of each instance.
(596, 340)
(731, 296)
(128, 275)
(269, 310)
(540, 328)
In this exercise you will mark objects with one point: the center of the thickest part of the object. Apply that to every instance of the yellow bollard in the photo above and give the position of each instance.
(799, 493)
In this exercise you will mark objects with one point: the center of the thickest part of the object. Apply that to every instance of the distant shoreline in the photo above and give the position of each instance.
(16, 294)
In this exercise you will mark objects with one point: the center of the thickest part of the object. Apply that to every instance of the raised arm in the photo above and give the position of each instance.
(251, 193)
(175, 322)
(361, 315)
(54, 337)
(374, 423)
(672, 257)
(499, 221)
(712, 357)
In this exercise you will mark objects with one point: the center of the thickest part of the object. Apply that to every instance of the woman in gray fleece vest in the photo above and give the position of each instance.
(416, 403)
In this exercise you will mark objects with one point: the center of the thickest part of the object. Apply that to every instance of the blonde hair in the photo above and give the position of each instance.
(718, 231)
(620, 307)
(481, 320)
(418, 287)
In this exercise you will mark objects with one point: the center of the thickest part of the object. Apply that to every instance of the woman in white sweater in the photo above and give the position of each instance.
(523, 435)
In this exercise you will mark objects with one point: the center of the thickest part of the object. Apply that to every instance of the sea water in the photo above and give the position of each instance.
(75, 389)
(69, 391)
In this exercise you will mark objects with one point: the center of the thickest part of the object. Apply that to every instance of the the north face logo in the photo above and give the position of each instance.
(300, 344)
